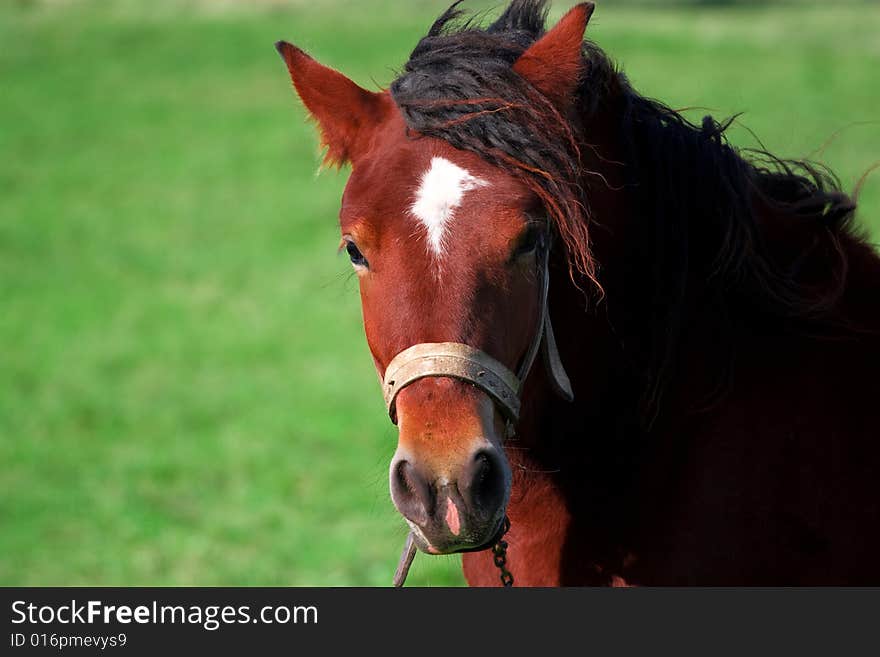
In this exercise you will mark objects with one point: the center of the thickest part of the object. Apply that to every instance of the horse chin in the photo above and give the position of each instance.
(457, 545)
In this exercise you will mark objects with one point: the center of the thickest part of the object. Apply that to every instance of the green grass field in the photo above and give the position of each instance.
(186, 397)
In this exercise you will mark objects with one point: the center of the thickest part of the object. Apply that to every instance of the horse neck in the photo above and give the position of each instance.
(589, 348)
(607, 339)
(688, 253)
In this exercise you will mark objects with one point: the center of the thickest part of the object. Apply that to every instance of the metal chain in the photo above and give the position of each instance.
(499, 555)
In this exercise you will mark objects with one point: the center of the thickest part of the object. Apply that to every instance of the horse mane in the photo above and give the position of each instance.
(698, 197)
(698, 200)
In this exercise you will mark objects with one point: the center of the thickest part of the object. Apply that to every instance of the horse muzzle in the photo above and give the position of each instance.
(456, 507)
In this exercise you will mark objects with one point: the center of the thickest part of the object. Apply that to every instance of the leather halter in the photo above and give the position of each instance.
(466, 363)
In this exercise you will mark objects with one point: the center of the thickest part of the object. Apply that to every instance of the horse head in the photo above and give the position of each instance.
(451, 252)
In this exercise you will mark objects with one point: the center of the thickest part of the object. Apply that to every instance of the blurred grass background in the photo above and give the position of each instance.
(186, 397)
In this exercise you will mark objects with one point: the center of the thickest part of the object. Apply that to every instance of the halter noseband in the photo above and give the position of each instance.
(466, 363)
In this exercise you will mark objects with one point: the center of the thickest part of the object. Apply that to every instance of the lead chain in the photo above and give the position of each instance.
(499, 556)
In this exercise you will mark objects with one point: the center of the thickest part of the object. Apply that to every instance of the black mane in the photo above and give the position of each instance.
(696, 194)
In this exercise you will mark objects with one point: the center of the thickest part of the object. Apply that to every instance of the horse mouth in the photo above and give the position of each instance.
(458, 546)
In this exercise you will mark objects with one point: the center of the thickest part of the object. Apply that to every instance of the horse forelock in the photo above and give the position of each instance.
(459, 86)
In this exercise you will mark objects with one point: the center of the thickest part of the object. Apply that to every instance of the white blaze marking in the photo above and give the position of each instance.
(441, 191)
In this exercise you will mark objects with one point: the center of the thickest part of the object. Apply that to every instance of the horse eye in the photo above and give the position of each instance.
(529, 241)
(357, 258)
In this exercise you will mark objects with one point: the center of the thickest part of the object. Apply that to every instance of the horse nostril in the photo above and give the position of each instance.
(411, 493)
(483, 482)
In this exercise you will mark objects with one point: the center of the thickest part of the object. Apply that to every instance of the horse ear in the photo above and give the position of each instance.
(346, 114)
(554, 63)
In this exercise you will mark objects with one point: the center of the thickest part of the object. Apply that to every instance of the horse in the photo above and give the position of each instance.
(648, 356)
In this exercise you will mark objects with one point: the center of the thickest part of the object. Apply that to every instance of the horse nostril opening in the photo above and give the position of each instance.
(411, 493)
(482, 483)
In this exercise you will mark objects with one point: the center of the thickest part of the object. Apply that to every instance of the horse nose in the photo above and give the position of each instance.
(456, 507)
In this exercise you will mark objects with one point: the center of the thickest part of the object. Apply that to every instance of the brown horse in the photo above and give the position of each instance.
(717, 320)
